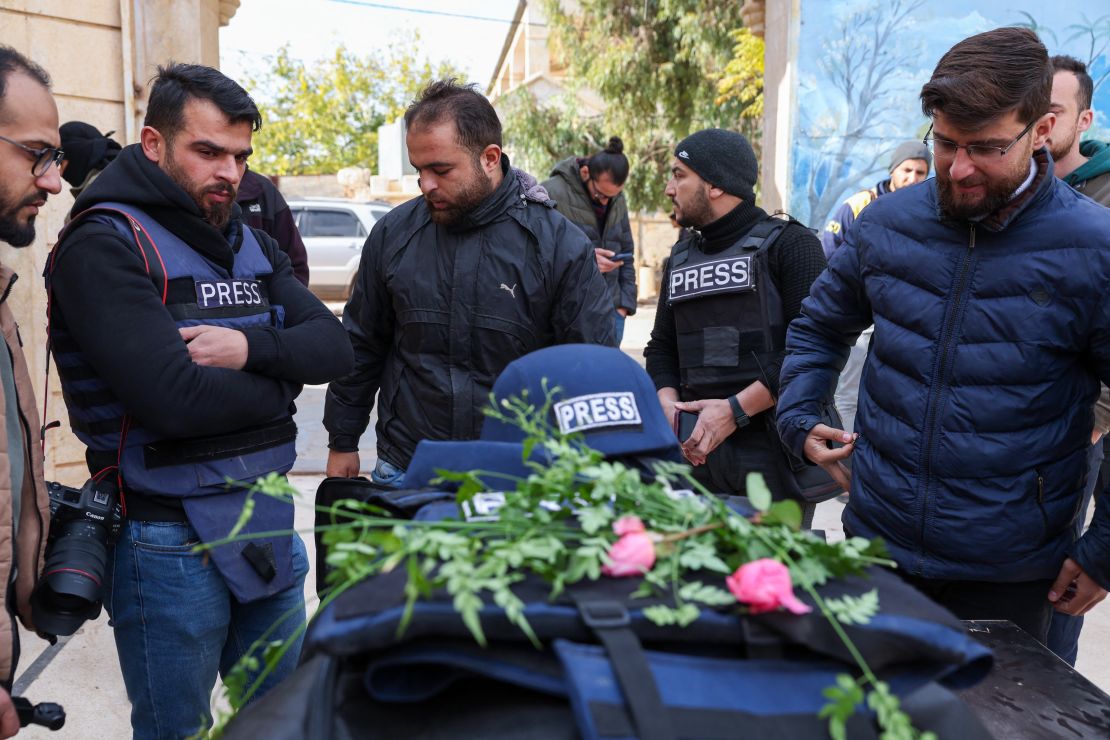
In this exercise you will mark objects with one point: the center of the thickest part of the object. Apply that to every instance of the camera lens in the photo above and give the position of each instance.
(69, 591)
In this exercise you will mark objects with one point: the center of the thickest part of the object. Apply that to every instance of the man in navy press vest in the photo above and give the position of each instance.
(181, 340)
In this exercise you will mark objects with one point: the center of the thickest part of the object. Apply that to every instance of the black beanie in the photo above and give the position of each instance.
(86, 150)
(722, 158)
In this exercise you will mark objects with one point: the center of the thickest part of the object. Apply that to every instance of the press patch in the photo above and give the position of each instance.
(597, 410)
(225, 293)
(729, 275)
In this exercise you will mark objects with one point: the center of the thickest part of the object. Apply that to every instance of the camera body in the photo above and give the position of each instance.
(83, 523)
(96, 503)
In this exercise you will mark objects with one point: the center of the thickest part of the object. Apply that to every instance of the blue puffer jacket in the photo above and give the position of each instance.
(975, 403)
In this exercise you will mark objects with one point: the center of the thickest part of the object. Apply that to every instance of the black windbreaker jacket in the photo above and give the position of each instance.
(437, 312)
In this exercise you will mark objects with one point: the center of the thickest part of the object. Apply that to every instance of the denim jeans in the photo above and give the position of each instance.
(387, 474)
(176, 625)
(618, 328)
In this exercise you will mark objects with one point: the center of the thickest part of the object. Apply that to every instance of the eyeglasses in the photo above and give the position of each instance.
(945, 149)
(44, 157)
(597, 195)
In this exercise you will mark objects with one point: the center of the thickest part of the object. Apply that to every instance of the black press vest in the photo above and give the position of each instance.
(727, 311)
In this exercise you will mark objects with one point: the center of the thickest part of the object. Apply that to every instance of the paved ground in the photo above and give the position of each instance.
(82, 674)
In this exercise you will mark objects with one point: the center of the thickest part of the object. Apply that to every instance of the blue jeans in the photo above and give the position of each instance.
(618, 328)
(177, 625)
(388, 474)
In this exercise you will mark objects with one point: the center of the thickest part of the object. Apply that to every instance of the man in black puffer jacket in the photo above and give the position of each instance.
(454, 286)
(732, 286)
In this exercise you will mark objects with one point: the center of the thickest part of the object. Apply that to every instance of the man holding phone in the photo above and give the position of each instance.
(733, 283)
(588, 191)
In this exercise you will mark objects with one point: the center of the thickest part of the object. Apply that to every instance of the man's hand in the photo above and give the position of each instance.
(342, 464)
(1075, 592)
(816, 448)
(715, 422)
(9, 718)
(216, 346)
(622, 311)
(604, 264)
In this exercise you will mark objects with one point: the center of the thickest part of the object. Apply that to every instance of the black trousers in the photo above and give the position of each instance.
(1025, 603)
(752, 449)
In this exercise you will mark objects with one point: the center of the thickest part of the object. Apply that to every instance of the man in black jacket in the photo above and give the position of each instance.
(727, 297)
(264, 208)
(454, 286)
(181, 339)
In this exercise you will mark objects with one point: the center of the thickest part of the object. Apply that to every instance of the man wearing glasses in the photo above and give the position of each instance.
(987, 289)
(29, 156)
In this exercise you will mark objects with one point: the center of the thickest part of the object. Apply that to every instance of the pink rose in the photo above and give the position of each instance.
(634, 553)
(764, 585)
(628, 524)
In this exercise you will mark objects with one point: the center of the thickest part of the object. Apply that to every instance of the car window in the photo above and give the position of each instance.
(377, 213)
(331, 223)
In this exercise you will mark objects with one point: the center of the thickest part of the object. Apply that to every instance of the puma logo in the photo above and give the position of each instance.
(511, 291)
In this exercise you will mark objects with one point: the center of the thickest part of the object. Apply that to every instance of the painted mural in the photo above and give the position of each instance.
(861, 66)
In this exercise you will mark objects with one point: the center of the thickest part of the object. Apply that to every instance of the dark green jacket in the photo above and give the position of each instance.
(566, 189)
(1093, 177)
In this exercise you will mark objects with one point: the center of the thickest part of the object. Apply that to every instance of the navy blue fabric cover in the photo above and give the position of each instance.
(975, 402)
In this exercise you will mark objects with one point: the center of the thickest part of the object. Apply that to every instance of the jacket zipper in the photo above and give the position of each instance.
(1040, 504)
(933, 415)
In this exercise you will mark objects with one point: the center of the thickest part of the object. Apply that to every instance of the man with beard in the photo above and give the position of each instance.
(181, 339)
(29, 156)
(987, 289)
(1086, 167)
(731, 287)
(455, 285)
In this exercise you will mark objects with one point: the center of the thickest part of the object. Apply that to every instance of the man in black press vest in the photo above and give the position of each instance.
(730, 289)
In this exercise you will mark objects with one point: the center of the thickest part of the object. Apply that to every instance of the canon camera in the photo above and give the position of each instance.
(83, 523)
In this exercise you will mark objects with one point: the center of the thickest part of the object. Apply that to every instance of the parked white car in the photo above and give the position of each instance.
(334, 230)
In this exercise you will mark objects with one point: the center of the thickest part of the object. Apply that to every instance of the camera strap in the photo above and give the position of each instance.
(155, 267)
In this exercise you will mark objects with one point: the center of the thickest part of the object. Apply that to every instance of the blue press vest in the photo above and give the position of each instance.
(209, 474)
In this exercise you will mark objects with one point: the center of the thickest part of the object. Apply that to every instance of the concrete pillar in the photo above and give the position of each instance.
(779, 84)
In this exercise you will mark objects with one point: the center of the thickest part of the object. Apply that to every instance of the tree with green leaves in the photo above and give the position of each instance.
(321, 116)
(656, 66)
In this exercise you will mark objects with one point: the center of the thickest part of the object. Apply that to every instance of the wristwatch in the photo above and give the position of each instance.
(738, 415)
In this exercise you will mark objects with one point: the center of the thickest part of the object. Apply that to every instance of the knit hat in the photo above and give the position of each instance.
(722, 158)
(86, 150)
(910, 150)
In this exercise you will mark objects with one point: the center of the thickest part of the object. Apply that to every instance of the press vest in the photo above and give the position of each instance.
(210, 474)
(727, 311)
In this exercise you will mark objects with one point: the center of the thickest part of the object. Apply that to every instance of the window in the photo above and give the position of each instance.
(331, 223)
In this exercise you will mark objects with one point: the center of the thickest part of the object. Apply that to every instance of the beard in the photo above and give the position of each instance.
(14, 232)
(1059, 148)
(998, 191)
(469, 195)
(696, 213)
(218, 214)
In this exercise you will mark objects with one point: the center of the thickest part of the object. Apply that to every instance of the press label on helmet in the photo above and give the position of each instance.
(225, 293)
(729, 275)
(597, 410)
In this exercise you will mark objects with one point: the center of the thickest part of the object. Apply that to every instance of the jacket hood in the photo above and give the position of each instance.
(1098, 162)
(568, 170)
(133, 179)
